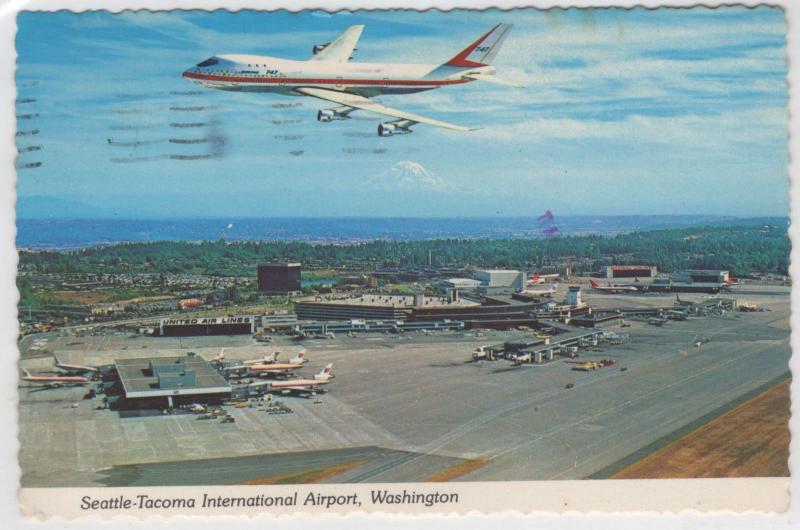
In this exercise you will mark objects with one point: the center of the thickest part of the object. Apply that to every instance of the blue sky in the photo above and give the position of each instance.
(668, 111)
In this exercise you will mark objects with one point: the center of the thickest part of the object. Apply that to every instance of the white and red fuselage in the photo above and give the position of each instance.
(56, 380)
(254, 73)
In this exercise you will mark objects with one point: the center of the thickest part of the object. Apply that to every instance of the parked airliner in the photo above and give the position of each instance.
(613, 288)
(328, 75)
(74, 369)
(298, 386)
(54, 381)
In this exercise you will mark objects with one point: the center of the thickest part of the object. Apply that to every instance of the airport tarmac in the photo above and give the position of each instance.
(417, 399)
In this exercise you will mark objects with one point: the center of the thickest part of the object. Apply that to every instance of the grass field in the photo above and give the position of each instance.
(307, 477)
(457, 470)
(751, 440)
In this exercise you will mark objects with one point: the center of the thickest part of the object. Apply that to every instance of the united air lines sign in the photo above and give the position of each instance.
(236, 324)
(207, 321)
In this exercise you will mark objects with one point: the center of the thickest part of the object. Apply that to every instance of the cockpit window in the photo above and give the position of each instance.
(208, 62)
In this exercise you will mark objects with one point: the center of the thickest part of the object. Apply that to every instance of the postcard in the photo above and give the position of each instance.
(402, 262)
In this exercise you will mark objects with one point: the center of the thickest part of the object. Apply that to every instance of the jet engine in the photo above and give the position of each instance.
(334, 114)
(392, 128)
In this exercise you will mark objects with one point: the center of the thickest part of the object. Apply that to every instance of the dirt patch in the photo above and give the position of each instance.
(751, 440)
(457, 470)
(313, 476)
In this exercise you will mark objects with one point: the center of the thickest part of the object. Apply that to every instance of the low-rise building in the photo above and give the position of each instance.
(499, 281)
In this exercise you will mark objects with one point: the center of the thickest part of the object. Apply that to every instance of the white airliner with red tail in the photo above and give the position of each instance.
(264, 369)
(300, 386)
(328, 75)
(612, 288)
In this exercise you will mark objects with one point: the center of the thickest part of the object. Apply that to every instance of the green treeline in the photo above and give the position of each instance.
(741, 249)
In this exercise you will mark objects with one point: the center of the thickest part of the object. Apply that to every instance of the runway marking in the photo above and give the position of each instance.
(613, 408)
(638, 435)
(468, 427)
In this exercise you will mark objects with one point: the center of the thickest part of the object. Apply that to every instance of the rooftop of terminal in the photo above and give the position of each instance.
(396, 300)
(162, 376)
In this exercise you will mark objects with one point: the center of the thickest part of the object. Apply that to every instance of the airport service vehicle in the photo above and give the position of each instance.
(613, 288)
(586, 366)
(54, 381)
(74, 369)
(481, 353)
(522, 359)
(328, 75)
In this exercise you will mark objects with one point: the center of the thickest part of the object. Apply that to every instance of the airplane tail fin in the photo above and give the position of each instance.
(593, 283)
(326, 373)
(483, 51)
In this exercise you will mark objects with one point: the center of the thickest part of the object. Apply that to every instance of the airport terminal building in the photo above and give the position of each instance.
(373, 307)
(629, 271)
(498, 311)
(166, 382)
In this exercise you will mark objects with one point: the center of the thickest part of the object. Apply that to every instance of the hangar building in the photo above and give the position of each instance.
(496, 281)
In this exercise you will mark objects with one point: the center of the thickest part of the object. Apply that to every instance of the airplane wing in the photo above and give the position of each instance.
(340, 50)
(360, 102)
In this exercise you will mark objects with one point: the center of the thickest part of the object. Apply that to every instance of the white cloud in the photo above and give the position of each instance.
(690, 132)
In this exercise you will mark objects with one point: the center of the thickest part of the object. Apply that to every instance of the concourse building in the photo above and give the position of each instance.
(166, 382)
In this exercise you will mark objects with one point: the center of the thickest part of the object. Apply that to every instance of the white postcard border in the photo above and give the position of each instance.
(572, 489)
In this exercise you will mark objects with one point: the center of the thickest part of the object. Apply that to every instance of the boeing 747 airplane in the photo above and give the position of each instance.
(328, 75)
